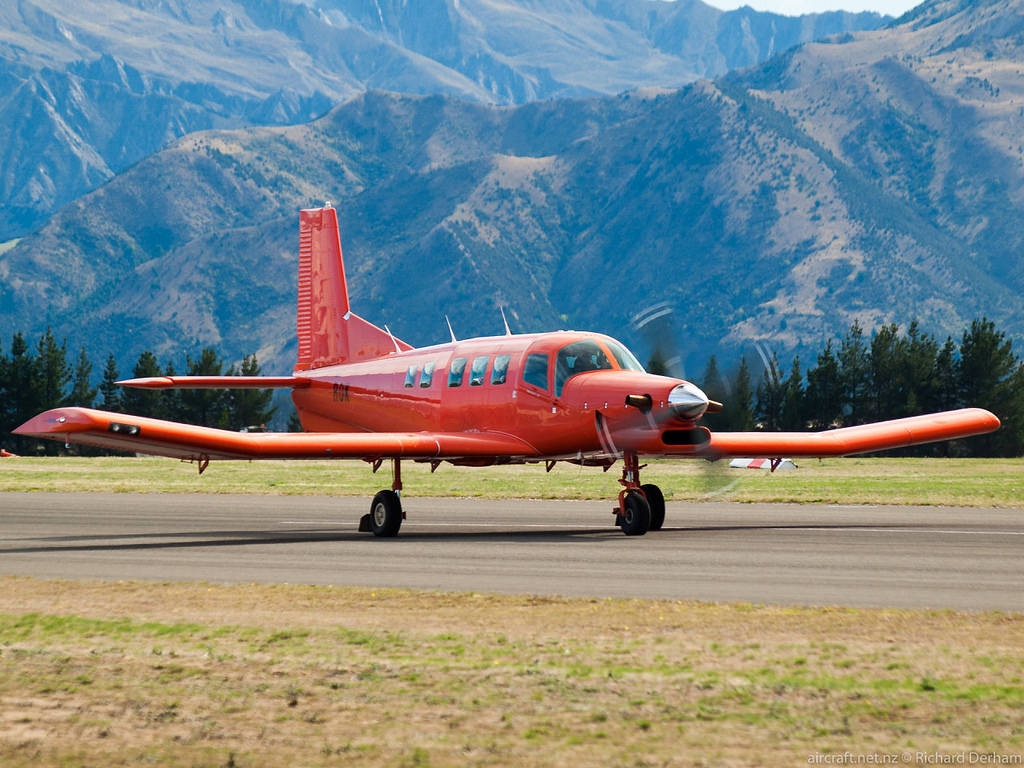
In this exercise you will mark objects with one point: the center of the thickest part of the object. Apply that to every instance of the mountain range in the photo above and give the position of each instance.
(81, 101)
(875, 176)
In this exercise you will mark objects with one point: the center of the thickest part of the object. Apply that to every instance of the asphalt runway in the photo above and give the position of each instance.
(886, 556)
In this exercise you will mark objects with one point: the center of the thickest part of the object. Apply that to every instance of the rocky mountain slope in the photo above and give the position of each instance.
(82, 99)
(875, 177)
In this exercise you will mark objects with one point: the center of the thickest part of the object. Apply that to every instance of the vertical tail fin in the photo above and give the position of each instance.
(328, 331)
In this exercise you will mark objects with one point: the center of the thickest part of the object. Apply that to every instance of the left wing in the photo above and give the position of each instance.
(216, 382)
(865, 438)
(186, 441)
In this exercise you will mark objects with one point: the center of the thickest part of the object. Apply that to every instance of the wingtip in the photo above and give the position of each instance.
(56, 421)
(149, 382)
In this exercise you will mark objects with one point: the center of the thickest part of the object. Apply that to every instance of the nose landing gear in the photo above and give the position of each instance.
(641, 507)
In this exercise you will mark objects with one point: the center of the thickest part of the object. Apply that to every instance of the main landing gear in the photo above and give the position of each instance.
(386, 515)
(641, 507)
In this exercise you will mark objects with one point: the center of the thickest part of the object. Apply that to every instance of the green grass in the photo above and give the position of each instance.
(323, 676)
(970, 482)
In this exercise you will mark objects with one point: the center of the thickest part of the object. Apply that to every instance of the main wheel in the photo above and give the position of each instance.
(386, 514)
(636, 514)
(656, 500)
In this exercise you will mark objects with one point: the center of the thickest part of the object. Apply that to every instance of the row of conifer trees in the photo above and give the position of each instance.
(853, 380)
(35, 379)
(887, 375)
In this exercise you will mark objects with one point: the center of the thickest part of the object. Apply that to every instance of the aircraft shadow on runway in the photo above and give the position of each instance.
(198, 539)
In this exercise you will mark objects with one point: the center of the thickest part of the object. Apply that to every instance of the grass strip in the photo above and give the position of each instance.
(957, 482)
(95, 673)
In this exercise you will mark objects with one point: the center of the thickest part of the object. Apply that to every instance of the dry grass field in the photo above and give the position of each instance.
(192, 674)
(110, 674)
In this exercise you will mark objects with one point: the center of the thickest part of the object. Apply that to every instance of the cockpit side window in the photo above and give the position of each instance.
(535, 371)
(578, 357)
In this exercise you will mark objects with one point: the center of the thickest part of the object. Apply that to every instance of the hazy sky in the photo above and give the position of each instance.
(796, 7)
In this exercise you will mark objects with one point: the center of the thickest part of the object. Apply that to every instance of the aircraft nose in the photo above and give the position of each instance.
(687, 400)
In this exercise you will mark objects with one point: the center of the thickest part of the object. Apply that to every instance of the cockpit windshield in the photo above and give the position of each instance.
(588, 355)
(623, 356)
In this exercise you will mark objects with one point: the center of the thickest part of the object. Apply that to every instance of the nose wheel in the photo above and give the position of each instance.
(635, 516)
(656, 500)
(641, 507)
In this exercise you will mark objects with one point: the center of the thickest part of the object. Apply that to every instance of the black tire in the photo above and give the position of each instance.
(656, 500)
(636, 514)
(386, 514)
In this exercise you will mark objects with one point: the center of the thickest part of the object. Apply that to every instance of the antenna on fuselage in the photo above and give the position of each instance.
(450, 328)
(393, 339)
(505, 321)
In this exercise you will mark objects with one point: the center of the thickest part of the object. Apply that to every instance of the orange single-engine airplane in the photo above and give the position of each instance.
(544, 397)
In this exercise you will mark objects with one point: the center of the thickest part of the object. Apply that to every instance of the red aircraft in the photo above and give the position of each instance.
(545, 397)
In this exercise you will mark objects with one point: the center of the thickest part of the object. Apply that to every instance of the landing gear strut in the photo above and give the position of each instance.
(641, 507)
(386, 515)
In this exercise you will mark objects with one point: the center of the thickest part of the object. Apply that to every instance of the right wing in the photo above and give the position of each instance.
(186, 441)
(864, 438)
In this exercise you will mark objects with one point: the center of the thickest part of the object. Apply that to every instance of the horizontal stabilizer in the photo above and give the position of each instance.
(216, 382)
(846, 441)
(124, 432)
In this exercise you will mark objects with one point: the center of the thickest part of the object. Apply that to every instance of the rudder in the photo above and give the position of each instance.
(328, 332)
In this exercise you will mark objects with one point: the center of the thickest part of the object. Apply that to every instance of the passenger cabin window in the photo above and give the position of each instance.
(578, 357)
(456, 372)
(477, 371)
(428, 375)
(499, 373)
(410, 375)
(535, 371)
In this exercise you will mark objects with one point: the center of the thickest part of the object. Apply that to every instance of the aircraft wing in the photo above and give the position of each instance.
(865, 438)
(216, 382)
(186, 441)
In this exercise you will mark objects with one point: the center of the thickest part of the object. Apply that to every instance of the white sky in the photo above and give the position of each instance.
(797, 7)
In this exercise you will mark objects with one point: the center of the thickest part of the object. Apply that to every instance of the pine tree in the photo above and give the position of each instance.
(54, 372)
(947, 378)
(143, 402)
(824, 393)
(656, 363)
(22, 398)
(82, 394)
(713, 386)
(739, 409)
(5, 395)
(992, 377)
(855, 374)
(771, 396)
(919, 372)
(207, 407)
(793, 417)
(888, 395)
(249, 407)
(109, 391)
(171, 406)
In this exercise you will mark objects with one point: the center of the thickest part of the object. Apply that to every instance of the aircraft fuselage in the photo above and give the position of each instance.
(530, 385)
